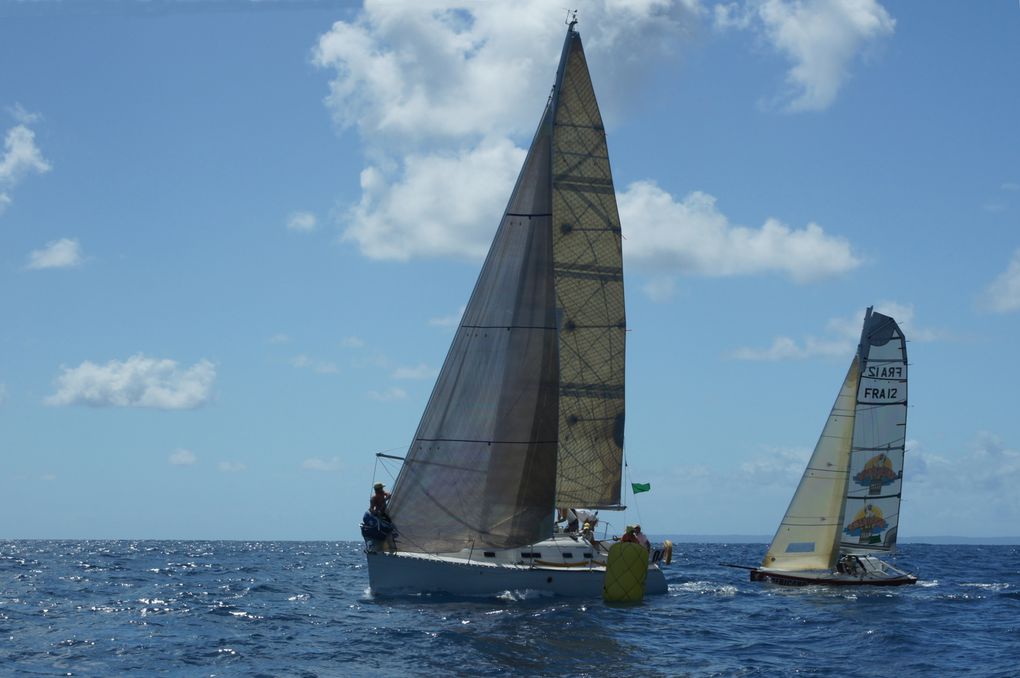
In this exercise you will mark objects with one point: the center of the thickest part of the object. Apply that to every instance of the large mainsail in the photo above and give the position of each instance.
(872, 505)
(527, 411)
(807, 537)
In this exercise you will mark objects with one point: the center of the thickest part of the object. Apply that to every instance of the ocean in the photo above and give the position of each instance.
(230, 608)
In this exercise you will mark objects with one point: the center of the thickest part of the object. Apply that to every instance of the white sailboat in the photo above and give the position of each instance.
(527, 413)
(845, 511)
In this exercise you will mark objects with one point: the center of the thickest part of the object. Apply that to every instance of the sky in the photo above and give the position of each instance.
(236, 239)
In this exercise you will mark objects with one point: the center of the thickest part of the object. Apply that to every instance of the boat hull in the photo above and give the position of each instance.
(396, 573)
(829, 578)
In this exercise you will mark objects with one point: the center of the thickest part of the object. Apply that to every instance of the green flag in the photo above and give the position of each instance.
(640, 487)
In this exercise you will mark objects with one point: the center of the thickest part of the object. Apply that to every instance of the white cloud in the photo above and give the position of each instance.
(22, 115)
(392, 393)
(303, 362)
(1003, 294)
(136, 382)
(182, 457)
(63, 253)
(230, 467)
(438, 90)
(414, 214)
(694, 237)
(821, 38)
(20, 157)
(279, 339)
(421, 371)
(1010, 186)
(452, 320)
(326, 465)
(352, 342)
(302, 222)
(842, 336)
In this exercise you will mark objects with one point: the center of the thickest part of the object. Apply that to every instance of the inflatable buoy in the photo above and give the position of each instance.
(626, 571)
(667, 552)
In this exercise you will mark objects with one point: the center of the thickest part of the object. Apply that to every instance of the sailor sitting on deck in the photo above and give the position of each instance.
(628, 535)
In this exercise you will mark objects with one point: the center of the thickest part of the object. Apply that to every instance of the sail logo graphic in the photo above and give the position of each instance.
(877, 473)
(867, 525)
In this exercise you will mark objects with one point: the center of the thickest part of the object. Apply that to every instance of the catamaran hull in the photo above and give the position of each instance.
(829, 579)
(400, 573)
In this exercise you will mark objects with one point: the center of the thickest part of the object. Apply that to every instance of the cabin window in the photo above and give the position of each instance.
(587, 555)
(489, 554)
(533, 554)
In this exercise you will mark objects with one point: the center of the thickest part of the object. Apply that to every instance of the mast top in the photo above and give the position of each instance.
(571, 20)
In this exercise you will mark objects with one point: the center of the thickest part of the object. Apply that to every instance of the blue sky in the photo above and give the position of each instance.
(235, 239)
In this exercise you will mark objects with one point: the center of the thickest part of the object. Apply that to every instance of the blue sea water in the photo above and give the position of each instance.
(187, 608)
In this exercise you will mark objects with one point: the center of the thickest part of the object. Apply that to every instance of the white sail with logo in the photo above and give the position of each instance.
(848, 498)
(872, 500)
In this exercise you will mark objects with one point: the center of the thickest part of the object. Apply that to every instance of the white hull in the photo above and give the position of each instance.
(395, 573)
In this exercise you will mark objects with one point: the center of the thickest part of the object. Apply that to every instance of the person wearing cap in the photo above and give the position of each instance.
(377, 504)
(640, 536)
(628, 535)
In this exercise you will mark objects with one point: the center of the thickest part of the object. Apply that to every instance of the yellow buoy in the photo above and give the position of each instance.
(626, 571)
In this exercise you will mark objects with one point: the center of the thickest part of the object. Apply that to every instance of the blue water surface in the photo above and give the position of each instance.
(187, 608)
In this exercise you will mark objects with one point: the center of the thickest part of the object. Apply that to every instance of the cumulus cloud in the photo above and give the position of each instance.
(325, 465)
(439, 93)
(440, 205)
(63, 253)
(136, 382)
(1003, 294)
(820, 38)
(182, 457)
(302, 222)
(352, 342)
(230, 467)
(21, 157)
(693, 237)
(840, 339)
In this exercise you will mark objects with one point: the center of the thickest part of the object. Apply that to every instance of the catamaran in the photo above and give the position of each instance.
(527, 413)
(845, 511)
